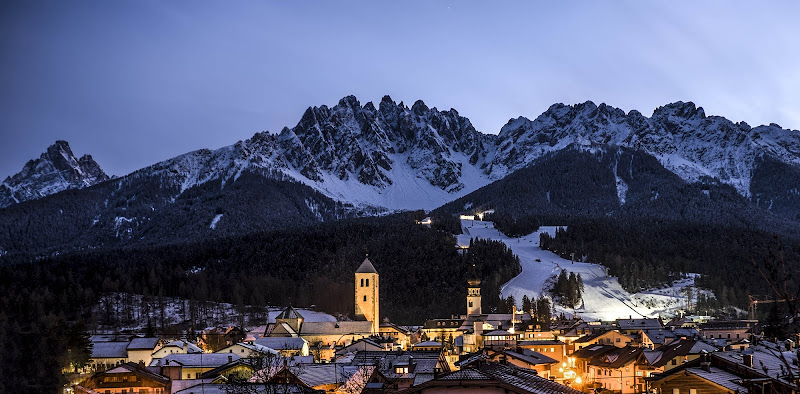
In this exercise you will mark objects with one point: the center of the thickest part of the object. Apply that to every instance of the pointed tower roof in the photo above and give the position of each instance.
(366, 268)
(473, 279)
(289, 313)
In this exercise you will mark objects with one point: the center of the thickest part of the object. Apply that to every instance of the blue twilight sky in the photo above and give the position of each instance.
(135, 82)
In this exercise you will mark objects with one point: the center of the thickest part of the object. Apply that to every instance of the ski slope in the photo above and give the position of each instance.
(603, 297)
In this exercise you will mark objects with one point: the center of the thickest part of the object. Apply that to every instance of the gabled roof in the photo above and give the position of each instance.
(224, 367)
(617, 358)
(289, 313)
(110, 350)
(143, 344)
(366, 268)
(130, 367)
(336, 328)
(196, 360)
(282, 343)
(639, 324)
(530, 357)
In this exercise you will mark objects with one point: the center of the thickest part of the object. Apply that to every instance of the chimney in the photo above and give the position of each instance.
(705, 366)
(747, 360)
(230, 359)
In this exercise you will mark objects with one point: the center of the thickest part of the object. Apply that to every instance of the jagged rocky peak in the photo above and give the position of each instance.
(57, 169)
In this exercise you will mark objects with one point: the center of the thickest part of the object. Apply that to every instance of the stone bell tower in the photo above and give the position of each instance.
(367, 304)
(473, 294)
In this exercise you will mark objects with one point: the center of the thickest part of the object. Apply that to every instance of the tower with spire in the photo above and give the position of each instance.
(473, 293)
(367, 303)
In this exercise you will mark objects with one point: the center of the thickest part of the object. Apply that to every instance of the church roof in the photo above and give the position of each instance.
(366, 268)
(289, 313)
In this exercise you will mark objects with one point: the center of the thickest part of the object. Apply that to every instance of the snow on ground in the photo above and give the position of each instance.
(134, 310)
(214, 221)
(603, 297)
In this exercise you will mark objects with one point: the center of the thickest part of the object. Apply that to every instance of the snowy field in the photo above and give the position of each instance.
(603, 298)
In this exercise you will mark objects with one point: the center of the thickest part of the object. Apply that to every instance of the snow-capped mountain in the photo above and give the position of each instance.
(55, 170)
(680, 135)
(395, 157)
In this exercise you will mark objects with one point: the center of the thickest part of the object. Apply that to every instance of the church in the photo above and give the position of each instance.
(325, 336)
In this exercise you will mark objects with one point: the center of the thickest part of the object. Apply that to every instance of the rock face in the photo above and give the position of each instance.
(55, 170)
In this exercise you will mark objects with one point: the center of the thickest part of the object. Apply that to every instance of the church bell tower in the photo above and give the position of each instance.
(473, 294)
(367, 294)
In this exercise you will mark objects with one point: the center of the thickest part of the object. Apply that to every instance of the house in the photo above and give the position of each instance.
(762, 368)
(616, 370)
(526, 359)
(191, 366)
(652, 339)
(176, 347)
(428, 346)
(674, 354)
(632, 326)
(399, 370)
(581, 358)
(400, 335)
(287, 346)
(215, 338)
(730, 330)
(491, 378)
(611, 337)
(441, 329)
(141, 350)
(108, 354)
(125, 378)
(550, 348)
(362, 344)
(499, 339)
(247, 350)
(236, 370)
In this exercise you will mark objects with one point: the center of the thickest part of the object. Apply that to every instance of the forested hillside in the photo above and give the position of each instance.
(143, 211)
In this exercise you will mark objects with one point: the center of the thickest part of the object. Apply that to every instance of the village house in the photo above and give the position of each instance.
(176, 347)
(761, 368)
(491, 378)
(550, 348)
(611, 337)
(191, 366)
(125, 378)
(616, 370)
(730, 330)
(287, 346)
(248, 350)
(400, 370)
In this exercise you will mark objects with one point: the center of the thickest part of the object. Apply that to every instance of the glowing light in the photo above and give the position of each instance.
(578, 380)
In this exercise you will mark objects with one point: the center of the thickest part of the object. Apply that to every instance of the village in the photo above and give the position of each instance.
(469, 352)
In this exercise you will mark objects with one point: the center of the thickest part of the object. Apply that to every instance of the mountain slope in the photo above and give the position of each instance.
(54, 171)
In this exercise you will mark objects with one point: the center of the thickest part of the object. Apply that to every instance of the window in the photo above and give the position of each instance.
(362, 282)
(367, 282)
(617, 339)
(674, 361)
(729, 336)
(365, 298)
(676, 391)
(692, 391)
(470, 304)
